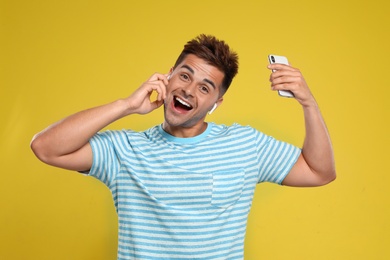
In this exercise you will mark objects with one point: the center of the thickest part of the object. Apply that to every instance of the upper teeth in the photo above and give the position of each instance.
(183, 102)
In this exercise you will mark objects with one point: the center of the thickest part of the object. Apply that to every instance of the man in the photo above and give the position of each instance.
(183, 189)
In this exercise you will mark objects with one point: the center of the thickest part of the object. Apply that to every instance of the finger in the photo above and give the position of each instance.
(157, 103)
(163, 78)
(285, 79)
(160, 88)
(278, 66)
(282, 68)
(159, 77)
(163, 90)
(284, 86)
(285, 74)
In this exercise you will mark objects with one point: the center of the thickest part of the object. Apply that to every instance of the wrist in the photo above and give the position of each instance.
(309, 102)
(122, 107)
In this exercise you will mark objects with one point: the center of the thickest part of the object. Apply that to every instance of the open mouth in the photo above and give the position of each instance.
(180, 104)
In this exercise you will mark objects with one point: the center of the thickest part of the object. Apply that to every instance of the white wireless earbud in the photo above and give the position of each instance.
(169, 77)
(212, 110)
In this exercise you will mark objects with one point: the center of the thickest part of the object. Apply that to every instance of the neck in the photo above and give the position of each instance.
(184, 132)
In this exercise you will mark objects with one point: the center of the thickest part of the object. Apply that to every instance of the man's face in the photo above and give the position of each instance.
(194, 87)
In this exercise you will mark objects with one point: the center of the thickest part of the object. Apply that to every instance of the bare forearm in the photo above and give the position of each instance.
(315, 166)
(317, 148)
(73, 132)
(65, 144)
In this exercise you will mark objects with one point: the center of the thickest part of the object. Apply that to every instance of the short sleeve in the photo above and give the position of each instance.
(105, 163)
(276, 158)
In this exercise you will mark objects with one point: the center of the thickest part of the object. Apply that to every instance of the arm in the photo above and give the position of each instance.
(65, 144)
(315, 166)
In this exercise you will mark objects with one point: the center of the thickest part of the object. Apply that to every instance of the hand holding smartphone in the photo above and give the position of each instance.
(280, 60)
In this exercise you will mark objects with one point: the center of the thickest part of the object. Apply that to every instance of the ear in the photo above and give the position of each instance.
(213, 108)
(216, 104)
(219, 101)
(170, 73)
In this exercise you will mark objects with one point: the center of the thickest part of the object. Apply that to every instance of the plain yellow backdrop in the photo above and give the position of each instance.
(59, 57)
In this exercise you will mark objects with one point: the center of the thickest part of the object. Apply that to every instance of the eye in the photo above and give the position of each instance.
(204, 89)
(184, 77)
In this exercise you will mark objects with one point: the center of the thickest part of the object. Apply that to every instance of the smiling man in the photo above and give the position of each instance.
(195, 88)
(183, 189)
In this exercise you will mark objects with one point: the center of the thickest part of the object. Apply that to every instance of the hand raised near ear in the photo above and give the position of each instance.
(139, 102)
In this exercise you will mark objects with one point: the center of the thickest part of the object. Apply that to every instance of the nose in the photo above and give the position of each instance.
(189, 89)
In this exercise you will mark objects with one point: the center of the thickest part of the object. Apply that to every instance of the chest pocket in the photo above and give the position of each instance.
(188, 190)
(227, 187)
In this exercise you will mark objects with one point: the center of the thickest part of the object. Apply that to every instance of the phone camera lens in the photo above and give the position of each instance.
(272, 59)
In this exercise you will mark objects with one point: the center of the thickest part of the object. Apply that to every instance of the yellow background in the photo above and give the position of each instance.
(59, 57)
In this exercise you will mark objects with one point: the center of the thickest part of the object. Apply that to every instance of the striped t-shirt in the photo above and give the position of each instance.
(186, 198)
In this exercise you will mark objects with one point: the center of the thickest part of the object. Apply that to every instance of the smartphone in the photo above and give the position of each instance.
(281, 60)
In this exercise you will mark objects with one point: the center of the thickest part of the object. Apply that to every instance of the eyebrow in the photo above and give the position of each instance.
(192, 71)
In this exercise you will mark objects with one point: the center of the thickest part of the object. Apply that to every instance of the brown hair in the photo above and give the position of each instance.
(215, 52)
